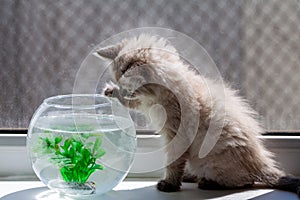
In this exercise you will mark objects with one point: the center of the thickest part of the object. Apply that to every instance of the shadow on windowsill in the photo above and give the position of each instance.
(149, 193)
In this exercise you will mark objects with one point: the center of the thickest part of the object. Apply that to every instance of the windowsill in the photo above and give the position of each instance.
(138, 189)
(18, 181)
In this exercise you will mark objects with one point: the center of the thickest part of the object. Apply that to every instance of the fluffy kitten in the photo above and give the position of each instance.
(149, 71)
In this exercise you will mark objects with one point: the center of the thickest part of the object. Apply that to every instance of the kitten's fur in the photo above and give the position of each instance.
(237, 160)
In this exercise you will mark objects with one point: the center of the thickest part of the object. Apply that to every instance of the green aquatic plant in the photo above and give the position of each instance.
(75, 156)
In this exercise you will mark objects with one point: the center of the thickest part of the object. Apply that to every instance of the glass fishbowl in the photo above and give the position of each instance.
(81, 144)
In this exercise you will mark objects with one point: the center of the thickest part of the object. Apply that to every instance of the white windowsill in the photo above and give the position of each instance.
(138, 189)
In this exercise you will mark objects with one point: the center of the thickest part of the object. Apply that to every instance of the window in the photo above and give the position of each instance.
(255, 44)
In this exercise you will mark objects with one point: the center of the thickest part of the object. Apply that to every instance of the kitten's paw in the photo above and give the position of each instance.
(165, 186)
(110, 89)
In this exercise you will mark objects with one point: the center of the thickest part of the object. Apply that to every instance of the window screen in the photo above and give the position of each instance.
(255, 45)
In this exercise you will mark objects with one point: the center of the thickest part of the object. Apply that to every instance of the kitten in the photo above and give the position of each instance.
(149, 71)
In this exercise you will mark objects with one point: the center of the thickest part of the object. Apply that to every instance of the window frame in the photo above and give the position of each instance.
(286, 149)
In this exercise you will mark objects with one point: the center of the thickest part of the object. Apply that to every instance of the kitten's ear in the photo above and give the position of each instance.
(109, 52)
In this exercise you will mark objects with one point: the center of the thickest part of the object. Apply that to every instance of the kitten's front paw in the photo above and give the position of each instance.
(165, 186)
(110, 89)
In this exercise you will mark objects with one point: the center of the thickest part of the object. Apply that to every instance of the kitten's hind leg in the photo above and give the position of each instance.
(205, 184)
(189, 178)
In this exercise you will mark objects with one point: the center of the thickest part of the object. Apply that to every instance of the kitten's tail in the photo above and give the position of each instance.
(287, 183)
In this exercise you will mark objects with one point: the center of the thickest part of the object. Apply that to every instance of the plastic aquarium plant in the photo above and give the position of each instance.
(74, 156)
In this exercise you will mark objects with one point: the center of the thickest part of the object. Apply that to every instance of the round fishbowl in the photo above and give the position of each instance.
(81, 144)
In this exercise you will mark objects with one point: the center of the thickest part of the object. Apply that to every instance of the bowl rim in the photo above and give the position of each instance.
(54, 101)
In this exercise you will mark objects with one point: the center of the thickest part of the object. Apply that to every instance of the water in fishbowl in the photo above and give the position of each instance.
(82, 154)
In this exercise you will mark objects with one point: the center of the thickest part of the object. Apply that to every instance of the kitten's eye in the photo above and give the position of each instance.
(131, 65)
(127, 67)
(123, 70)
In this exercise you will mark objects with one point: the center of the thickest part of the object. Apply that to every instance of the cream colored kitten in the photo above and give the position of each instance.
(149, 71)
